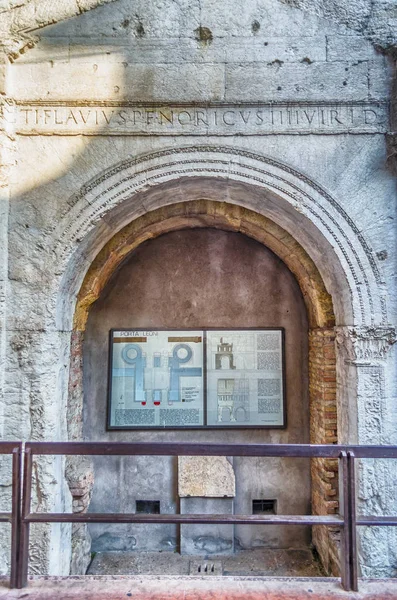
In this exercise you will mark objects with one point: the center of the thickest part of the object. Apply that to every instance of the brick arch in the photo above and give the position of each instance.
(322, 365)
(207, 213)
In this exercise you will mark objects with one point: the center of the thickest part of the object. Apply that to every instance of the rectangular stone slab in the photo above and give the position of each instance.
(205, 476)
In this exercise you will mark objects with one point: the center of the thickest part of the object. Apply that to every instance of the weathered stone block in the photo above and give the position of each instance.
(105, 81)
(284, 81)
(380, 79)
(224, 20)
(354, 48)
(205, 476)
(269, 49)
(164, 18)
(149, 50)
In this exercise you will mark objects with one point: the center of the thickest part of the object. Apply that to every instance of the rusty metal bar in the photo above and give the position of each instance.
(13, 517)
(22, 578)
(346, 455)
(352, 522)
(16, 514)
(376, 520)
(345, 541)
(329, 520)
(371, 451)
(9, 447)
(201, 449)
(183, 449)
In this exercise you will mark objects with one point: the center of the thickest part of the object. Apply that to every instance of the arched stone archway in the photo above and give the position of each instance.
(250, 193)
(322, 373)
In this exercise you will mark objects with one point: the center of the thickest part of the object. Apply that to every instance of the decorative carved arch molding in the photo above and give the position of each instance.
(286, 196)
(145, 196)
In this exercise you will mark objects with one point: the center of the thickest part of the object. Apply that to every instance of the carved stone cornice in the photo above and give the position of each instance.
(365, 344)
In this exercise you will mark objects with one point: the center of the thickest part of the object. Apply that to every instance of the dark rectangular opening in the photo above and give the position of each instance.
(151, 507)
(264, 507)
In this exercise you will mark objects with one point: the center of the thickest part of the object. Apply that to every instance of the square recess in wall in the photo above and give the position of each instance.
(264, 507)
(150, 507)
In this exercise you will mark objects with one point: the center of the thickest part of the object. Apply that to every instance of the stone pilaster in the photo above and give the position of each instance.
(79, 470)
(363, 353)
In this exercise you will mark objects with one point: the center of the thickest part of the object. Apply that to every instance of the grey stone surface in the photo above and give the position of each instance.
(206, 540)
(139, 563)
(376, 21)
(281, 563)
(139, 83)
(285, 82)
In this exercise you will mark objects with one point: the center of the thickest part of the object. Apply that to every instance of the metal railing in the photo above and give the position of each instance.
(14, 517)
(347, 521)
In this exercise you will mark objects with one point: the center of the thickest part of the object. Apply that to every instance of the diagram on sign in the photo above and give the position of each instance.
(244, 378)
(156, 379)
(170, 379)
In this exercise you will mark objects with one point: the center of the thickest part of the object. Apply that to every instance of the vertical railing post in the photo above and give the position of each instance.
(346, 538)
(16, 515)
(353, 518)
(24, 547)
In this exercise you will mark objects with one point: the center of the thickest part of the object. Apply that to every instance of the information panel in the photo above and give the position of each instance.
(245, 378)
(196, 378)
(156, 379)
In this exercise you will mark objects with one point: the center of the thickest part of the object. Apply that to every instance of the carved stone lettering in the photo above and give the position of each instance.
(119, 119)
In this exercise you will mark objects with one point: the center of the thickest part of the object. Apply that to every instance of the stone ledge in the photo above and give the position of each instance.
(194, 588)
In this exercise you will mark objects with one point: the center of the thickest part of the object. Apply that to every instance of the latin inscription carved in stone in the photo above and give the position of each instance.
(258, 119)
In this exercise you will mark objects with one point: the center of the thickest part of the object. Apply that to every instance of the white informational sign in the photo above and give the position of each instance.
(245, 378)
(156, 379)
(204, 378)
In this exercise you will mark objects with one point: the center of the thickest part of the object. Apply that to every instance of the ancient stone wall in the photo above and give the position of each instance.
(282, 108)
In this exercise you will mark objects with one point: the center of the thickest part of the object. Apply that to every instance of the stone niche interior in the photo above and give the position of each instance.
(194, 278)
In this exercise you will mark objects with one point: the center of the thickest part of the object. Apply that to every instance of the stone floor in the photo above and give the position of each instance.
(194, 588)
(258, 562)
(170, 576)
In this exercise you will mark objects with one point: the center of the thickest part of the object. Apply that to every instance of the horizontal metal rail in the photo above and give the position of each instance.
(14, 516)
(347, 521)
(185, 519)
(205, 449)
(5, 517)
(379, 521)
